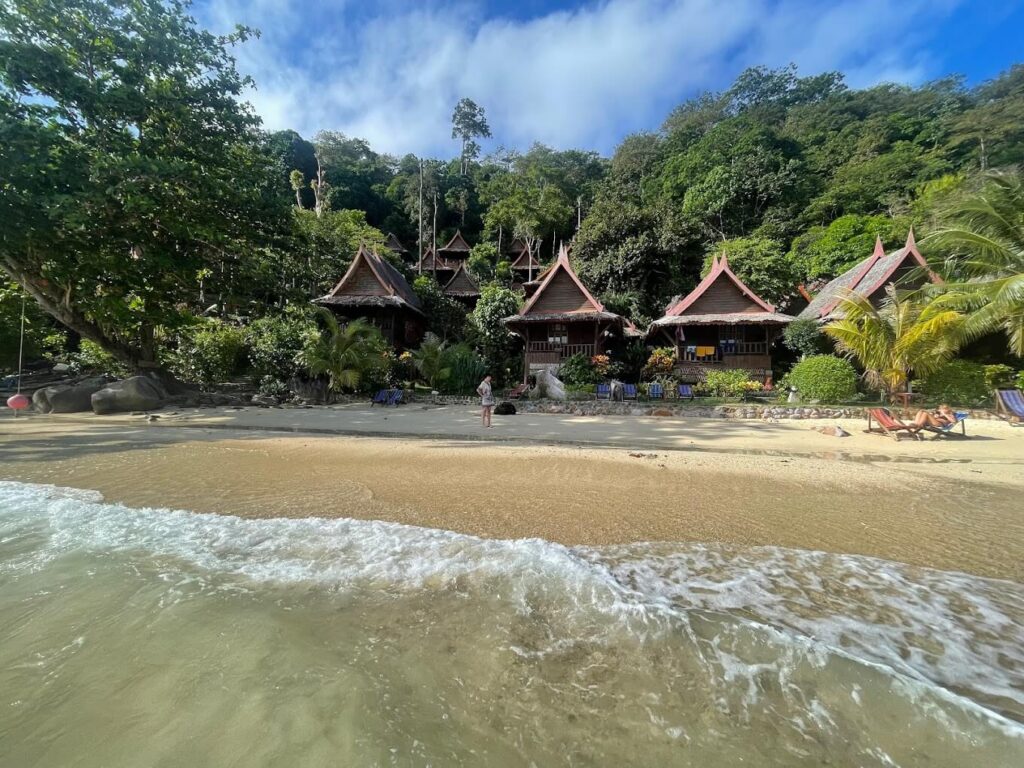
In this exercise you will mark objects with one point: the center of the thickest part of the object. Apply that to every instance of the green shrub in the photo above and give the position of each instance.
(578, 371)
(959, 382)
(804, 337)
(210, 352)
(1020, 380)
(92, 358)
(825, 378)
(466, 370)
(275, 341)
(999, 377)
(731, 383)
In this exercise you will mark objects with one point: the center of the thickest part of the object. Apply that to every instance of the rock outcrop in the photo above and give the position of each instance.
(139, 393)
(505, 409)
(68, 398)
(548, 386)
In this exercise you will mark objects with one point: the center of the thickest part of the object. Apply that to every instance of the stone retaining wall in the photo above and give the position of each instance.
(670, 408)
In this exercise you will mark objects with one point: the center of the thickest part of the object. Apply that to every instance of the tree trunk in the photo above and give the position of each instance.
(140, 358)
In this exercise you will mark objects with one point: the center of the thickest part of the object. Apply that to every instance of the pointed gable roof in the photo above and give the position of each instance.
(525, 260)
(431, 262)
(721, 298)
(371, 281)
(392, 243)
(562, 296)
(462, 284)
(457, 247)
(867, 277)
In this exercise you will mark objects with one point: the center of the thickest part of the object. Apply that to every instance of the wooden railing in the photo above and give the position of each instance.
(546, 352)
(739, 348)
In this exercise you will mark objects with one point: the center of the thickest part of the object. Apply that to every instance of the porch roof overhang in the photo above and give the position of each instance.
(734, 318)
(564, 317)
(364, 302)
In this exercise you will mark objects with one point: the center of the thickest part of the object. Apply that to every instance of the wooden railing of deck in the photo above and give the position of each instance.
(546, 352)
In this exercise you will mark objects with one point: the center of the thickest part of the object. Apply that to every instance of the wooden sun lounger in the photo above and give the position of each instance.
(517, 392)
(381, 398)
(604, 392)
(684, 391)
(655, 391)
(887, 424)
(396, 396)
(1010, 406)
(629, 391)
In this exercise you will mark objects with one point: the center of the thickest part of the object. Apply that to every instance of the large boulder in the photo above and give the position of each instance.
(67, 398)
(139, 393)
(505, 409)
(548, 386)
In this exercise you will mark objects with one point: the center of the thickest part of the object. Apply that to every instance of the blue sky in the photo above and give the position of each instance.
(573, 73)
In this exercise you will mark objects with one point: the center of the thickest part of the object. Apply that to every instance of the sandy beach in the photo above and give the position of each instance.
(952, 505)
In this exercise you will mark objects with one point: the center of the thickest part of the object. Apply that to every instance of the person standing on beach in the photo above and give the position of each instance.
(486, 400)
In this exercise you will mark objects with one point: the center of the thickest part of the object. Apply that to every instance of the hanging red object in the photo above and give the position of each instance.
(18, 402)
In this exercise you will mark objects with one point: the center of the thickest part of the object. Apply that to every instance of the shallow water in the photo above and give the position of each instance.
(153, 637)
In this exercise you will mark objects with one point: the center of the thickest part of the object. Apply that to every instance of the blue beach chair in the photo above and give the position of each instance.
(381, 398)
(948, 429)
(684, 391)
(1010, 406)
(629, 391)
(395, 398)
(604, 392)
(655, 391)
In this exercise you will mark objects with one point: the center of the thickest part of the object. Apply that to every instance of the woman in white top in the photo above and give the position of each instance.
(486, 399)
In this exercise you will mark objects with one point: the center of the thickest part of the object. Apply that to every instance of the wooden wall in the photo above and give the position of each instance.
(722, 297)
(563, 295)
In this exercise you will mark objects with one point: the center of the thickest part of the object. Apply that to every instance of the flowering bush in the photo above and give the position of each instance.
(660, 363)
(602, 365)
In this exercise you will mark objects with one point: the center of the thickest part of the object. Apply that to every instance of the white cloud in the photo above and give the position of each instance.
(391, 73)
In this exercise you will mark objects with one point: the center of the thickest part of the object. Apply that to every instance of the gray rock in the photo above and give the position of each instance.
(138, 393)
(264, 401)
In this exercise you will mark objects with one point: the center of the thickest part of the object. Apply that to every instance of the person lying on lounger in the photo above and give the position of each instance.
(943, 417)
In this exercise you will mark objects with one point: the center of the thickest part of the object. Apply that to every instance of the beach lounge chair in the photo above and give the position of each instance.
(655, 391)
(395, 398)
(684, 392)
(887, 424)
(629, 391)
(604, 392)
(949, 429)
(1010, 406)
(517, 392)
(381, 398)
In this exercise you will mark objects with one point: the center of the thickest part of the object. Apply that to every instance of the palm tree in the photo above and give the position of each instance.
(432, 360)
(344, 353)
(902, 336)
(985, 238)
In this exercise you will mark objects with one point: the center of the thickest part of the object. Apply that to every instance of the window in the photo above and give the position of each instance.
(558, 333)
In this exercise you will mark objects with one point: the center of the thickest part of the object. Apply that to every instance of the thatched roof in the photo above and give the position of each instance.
(431, 263)
(392, 243)
(456, 247)
(371, 281)
(726, 318)
(462, 284)
(866, 278)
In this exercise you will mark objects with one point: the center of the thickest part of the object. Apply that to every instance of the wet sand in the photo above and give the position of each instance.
(942, 505)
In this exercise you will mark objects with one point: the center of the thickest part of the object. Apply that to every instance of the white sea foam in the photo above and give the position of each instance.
(949, 635)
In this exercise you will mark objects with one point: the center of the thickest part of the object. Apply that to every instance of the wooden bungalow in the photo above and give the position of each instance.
(721, 324)
(373, 289)
(445, 263)
(525, 266)
(463, 287)
(561, 319)
(393, 244)
(905, 267)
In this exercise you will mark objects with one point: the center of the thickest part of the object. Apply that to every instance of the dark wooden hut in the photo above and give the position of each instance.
(463, 287)
(561, 319)
(721, 324)
(373, 289)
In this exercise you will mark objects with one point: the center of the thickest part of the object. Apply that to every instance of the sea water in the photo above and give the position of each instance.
(144, 637)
